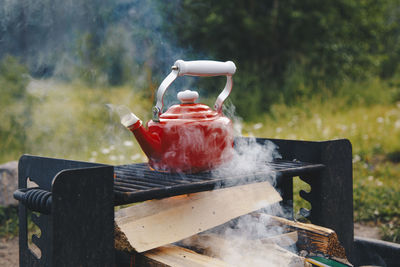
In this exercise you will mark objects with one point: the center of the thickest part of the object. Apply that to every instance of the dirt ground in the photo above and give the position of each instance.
(363, 230)
(9, 252)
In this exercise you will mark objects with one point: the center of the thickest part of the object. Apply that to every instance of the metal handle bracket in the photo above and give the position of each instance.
(196, 68)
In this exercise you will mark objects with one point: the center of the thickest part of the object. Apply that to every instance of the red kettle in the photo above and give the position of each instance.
(188, 137)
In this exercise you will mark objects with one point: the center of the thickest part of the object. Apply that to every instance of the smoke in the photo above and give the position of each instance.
(240, 242)
(250, 159)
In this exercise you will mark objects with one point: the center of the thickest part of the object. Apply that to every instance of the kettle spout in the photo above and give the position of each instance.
(149, 142)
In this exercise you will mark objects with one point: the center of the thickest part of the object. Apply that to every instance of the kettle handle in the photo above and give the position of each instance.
(197, 68)
(205, 68)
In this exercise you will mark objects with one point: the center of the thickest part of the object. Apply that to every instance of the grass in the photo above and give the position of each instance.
(72, 121)
(76, 122)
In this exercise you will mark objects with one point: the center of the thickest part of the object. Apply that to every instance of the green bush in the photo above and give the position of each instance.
(15, 107)
(8, 221)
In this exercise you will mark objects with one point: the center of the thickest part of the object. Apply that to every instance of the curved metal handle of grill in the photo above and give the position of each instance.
(35, 199)
(197, 68)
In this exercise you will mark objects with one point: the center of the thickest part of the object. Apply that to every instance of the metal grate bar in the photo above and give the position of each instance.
(137, 182)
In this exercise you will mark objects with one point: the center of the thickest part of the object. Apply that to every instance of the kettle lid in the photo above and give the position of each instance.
(187, 96)
(188, 109)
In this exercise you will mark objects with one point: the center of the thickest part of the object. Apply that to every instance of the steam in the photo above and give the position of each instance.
(250, 158)
(125, 114)
(242, 238)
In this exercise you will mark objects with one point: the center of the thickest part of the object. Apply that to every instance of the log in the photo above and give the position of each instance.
(176, 256)
(311, 237)
(155, 223)
(167, 256)
(282, 240)
(243, 252)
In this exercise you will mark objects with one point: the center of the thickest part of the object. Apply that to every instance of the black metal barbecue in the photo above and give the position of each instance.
(73, 204)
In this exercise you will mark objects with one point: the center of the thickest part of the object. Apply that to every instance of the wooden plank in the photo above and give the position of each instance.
(167, 256)
(156, 223)
(176, 256)
(244, 252)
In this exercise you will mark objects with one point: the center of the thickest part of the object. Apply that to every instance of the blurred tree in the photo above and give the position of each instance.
(286, 48)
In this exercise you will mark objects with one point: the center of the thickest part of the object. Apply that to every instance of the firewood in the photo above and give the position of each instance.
(246, 252)
(282, 240)
(156, 223)
(175, 256)
(169, 256)
(312, 238)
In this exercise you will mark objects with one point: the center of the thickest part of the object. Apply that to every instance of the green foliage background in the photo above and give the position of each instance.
(284, 49)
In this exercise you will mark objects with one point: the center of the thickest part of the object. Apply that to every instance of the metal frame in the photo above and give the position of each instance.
(79, 227)
(331, 195)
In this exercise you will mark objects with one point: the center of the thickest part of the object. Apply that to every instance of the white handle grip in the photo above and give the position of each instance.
(205, 68)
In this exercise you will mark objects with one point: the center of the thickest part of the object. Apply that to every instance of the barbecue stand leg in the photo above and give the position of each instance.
(331, 195)
(76, 221)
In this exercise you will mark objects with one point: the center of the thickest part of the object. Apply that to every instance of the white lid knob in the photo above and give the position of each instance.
(187, 96)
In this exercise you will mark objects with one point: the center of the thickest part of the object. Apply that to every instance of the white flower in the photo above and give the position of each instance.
(135, 157)
(278, 130)
(105, 150)
(397, 124)
(94, 153)
(342, 127)
(128, 143)
(370, 178)
(318, 122)
(356, 158)
(257, 126)
(379, 183)
(113, 157)
(380, 120)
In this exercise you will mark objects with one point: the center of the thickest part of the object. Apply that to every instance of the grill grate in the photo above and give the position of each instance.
(137, 182)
